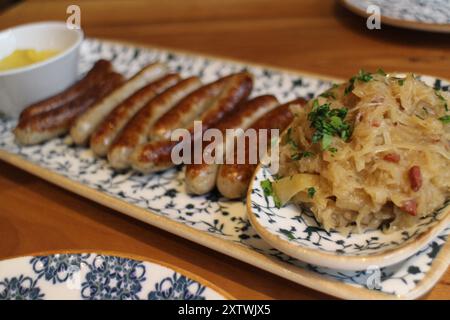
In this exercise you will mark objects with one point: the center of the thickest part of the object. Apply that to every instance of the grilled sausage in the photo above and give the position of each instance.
(201, 178)
(88, 122)
(47, 125)
(156, 155)
(189, 109)
(137, 130)
(233, 179)
(104, 135)
(98, 72)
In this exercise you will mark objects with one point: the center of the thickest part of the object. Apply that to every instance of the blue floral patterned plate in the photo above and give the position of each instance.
(426, 15)
(90, 276)
(217, 223)
(295, 231)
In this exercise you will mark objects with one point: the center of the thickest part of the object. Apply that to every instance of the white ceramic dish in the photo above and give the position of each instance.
(22, 86)
(295, 231)
(429, 15)
(94, 276)
(217, 223)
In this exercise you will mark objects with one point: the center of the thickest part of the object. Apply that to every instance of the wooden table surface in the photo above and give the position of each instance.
(311, 35)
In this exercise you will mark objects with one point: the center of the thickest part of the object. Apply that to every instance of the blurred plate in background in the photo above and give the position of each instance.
(429, 15)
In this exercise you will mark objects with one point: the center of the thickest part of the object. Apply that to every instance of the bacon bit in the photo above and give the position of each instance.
(410, 207)
(376, 123)
(415, 178)
(392, 157)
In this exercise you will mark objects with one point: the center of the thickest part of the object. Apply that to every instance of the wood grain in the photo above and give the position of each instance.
(310, 35)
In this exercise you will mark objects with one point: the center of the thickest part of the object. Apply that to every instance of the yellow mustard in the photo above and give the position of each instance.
(24, 57)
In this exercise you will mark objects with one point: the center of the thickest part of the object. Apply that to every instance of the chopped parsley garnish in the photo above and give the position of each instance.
(332, 150)
(361, 76)
(441, 97)
(326, 140)
(266, 185)
(311, 192)
(445, 119)
(328, 123)
(301, 155)
(364, 76)
(328, 94)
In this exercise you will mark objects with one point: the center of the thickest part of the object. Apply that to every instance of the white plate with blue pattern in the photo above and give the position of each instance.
(425, 15)
(217, 223)
(294, 230)
(92, 276)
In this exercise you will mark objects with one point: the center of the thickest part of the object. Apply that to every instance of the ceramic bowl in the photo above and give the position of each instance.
(20, 87)
(294, 230)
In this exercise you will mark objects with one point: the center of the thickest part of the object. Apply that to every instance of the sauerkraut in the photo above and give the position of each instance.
(370, 153)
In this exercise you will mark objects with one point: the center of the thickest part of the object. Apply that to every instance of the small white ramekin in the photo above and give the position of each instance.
(21, 87)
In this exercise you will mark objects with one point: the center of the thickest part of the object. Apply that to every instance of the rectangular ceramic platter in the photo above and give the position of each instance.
(161, 200)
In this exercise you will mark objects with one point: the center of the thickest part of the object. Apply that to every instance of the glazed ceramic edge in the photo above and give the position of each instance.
(344, 262)
(131, 256)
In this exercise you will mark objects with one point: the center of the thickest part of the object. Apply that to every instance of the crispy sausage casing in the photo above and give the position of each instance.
(47, 125)
(97, 74)
(88, 122)
(156, 155)
(112, 125)
(187, 110)
(137, 130)
(233, 179)
(201, 178)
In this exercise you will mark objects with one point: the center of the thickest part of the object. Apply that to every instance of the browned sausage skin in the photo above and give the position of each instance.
(201, 178)
(156, 155)
(47, 125)
(97, 74)
(104, 135)
(233, 179)
(137, 129)
(187, 110)
(86, 124)
(237, 89)
(153, 156)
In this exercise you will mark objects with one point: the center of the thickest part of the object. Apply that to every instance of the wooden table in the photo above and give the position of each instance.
(311, 35)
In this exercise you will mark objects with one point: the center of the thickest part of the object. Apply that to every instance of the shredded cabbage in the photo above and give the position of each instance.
(393, 168)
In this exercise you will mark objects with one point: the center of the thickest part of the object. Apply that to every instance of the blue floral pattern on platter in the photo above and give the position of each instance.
(163, 194)
(96, 277)
(177, 288)
(297, 225)
(20, 288)
(56, 268)
(113, 278)
(424, 11)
